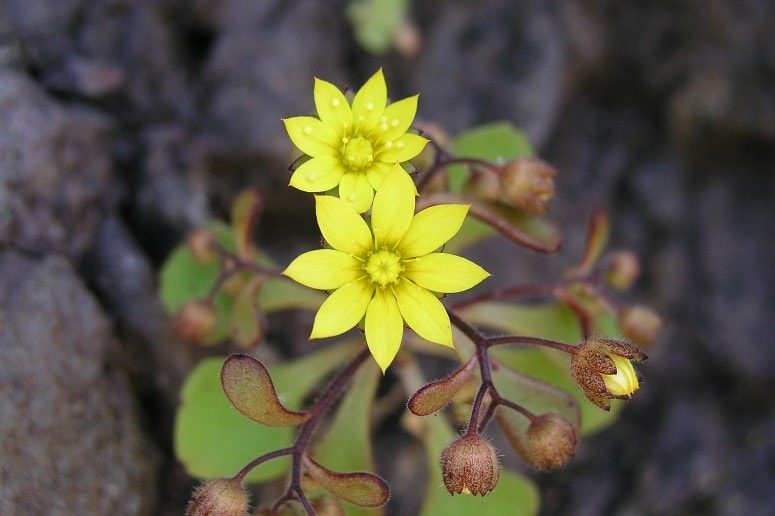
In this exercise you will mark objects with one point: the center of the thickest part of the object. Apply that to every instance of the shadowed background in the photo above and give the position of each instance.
(124, 124)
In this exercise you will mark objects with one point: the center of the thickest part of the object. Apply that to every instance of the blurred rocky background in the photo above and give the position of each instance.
(125, 123)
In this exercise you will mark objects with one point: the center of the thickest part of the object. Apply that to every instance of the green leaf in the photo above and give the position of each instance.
(346, 445)
(250, 389)
(212, 439)
(472, 231)
(283, 294)
(244, 212)
(514, 495)
(182, 279)
(551, 321)
(246, 325)
(498, 142)
(375, 22)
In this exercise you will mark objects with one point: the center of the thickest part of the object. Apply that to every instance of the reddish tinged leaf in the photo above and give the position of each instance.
(246, 327)
(435, 395)
(359, 488)
(249, 388)
(597, 238)
(244, 213)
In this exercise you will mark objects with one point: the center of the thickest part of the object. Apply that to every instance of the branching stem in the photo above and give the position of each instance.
(482, 344)
(330, 394)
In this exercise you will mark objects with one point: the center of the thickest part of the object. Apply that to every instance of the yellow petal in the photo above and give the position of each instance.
(403, 149)
(324, 269)
(625, 381)
(332, 106)
(384, 327)
(377, 172)
(398, 117)
(318, 174)
(423, 312)
(341, 226)
(369, 103)
(312, 136)
(355, 189)
(393, 208)
(342, 310)
(445, 273)
(431, 228)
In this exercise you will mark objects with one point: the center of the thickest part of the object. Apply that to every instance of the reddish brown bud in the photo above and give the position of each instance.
(527, 184)
(594, 375)
(551, 441)
(195, 321)
(201, 243)
(469, 465)
(623, 270)
(640, 324)
(484, 184)
(221, 497)
(407, 39)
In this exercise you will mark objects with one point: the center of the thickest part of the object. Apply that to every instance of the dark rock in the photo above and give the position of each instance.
(68, 422)
(125, 280)
(171, 190)
(508, 64)
(261, 68)
(690, 459)
(55, 170)
(735, 269)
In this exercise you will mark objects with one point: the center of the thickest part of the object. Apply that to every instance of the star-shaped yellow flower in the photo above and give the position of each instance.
(355, 146)
(388, 272)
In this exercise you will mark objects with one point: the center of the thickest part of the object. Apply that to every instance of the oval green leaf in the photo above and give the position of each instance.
(359, 488)
(249, 388)
(212, 439)
(435, 395)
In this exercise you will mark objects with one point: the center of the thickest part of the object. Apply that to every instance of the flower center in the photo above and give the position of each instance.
(357, 153)
(383, 267)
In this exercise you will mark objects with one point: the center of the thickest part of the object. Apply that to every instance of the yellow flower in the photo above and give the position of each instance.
(355, 146)
(388, 272)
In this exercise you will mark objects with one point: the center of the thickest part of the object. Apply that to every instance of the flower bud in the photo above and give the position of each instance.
(640, 324)
(603, 369)
(624, 382)
(201, 243)
(469, 465)
(527, 184)
(551, 441)
(484, 184)
(195, 321)
(221, 497)
(623, 270)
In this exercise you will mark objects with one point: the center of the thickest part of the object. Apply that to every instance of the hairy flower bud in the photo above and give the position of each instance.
(195, 321)
(484, 184)
(469, 465)
(640, 324)
(221, 497)
(201, 243)
(527, 184)
(551, 441)
(623, 270)
(603, 369)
